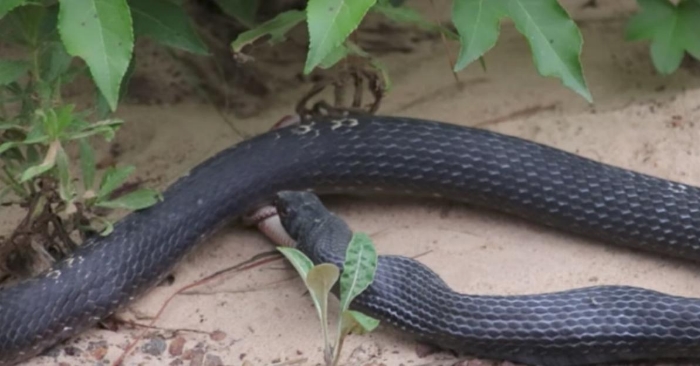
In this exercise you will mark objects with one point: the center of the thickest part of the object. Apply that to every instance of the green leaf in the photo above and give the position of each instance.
(48, 163)
(554, 38)
(276, 28)
(7, 5)
(11, 71)
(54, 61)
(108, 226)
(405, 14)
(336, 55)
(478, 24)
(358, 268)
(113, 178)
(672, 30)
(7, 146)
(357, 323)
(106, 127)
(102, 106)
(100, 32)
(299, 261)
(320, 281)
(244, 11)
(166, 23)
(135, 200)
(87, 163)
(330, 22)
(65, 188)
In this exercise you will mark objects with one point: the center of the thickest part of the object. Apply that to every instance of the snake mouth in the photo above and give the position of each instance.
(267, 220)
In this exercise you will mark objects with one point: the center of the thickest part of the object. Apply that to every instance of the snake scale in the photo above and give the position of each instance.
(403, 156)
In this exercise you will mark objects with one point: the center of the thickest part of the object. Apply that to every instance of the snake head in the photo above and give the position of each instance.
(299, 212)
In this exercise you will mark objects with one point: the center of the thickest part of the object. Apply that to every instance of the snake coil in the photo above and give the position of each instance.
(407, 156)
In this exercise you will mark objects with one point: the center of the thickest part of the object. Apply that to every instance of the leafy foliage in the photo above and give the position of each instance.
(330, 23)
(358, 273)
(554, 38)
(101, 33)
(167, 23)
(672, 29)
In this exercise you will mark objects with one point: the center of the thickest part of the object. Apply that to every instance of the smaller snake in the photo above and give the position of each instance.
(584, 326)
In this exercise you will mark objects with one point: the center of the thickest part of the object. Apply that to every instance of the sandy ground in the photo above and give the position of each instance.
(262, 316)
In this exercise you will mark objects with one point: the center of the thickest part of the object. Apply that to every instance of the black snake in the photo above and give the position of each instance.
(412, 157)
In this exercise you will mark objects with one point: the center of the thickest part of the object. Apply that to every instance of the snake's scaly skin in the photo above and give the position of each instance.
(576, 327)
(400, 155)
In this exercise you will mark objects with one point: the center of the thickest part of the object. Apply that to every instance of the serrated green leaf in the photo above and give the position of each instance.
(102, 106)
(358, 268)
(330, 22)
(299, 261)
(478, 24)
(113, 178)
(7, 5)
(244, 11)
(136, 200)
(48, 163)
(357, 323)
(166, 23)
(87, 163)
(405, 14)
(11, 71)
(100, 32)
(276, 28)
(336, 55)
(554, 39)
(320, 281)
(672, 30)
(65, 186)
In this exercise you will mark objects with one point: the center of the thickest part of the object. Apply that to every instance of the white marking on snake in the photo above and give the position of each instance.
(55, 274)
(302, 129)
(344, 122)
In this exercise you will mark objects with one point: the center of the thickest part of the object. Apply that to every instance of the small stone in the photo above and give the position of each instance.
(63, 364)
(53, 352)
(217, 335)
(155, 347)
(176, 346)
(425, 350)
(176, 362)
(197, 357)
(72, 351)
(99, 353)
(213, 360)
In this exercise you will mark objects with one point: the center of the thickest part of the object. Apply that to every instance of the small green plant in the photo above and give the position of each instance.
(45, 140)
(358, 273)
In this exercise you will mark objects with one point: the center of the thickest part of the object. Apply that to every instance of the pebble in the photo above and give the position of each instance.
(156, 346)
(176, 346)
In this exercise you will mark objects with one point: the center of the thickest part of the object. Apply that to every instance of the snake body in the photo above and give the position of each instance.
(581, 326)
(386, 154)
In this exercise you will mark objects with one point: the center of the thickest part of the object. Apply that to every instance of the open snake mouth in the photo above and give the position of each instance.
(267, 220)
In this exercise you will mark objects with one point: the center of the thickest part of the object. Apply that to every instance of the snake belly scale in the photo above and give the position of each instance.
(368, 153)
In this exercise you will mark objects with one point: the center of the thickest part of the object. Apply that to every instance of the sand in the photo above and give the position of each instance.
(262, 316)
